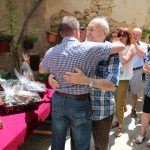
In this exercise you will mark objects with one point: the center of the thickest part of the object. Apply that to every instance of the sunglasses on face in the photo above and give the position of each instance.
(114, 36)
(82, 29)
(122, 35)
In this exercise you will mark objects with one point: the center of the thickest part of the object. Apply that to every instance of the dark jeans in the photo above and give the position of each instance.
(76, 114)
(101, 129)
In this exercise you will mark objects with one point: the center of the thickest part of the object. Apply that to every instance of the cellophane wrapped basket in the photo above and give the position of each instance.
(20, 95)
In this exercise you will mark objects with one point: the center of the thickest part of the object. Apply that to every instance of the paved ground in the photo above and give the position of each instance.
(125, 142)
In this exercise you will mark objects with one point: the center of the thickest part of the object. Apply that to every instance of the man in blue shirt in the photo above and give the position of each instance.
(70, 104)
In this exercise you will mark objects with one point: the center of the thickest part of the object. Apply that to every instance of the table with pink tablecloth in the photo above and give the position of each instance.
(17, 127)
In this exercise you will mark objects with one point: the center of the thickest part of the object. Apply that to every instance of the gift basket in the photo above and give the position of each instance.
(20, 95)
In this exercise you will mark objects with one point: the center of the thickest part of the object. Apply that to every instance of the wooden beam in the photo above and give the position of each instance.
(42, 132)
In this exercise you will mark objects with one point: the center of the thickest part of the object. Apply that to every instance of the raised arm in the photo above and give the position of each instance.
(117, 47)
(139, 51)
(146, 68)
(128, 56)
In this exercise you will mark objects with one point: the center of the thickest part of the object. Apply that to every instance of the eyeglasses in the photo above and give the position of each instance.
(114, 36)
(92, 29)
(82, 29)
(122, 35)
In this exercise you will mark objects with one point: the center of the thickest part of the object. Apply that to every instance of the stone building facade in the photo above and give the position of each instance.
(119, 13)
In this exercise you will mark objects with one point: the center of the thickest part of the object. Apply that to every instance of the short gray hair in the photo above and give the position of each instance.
(102, 22)
(68, 25)
(139, 30)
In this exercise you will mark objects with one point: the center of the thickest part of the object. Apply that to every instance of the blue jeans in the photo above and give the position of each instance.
(76, 114)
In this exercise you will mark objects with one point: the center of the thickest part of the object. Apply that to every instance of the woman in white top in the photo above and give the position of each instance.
(124, 35)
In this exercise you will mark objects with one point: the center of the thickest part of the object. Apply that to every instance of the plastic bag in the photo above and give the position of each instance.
(30, 85)
(15, 95)
(25, 67)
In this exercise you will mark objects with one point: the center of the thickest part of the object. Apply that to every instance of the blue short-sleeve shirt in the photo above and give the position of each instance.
(71, 53)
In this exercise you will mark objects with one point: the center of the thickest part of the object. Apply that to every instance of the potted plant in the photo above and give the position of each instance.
(53, 33)
(5, 39)
(145, 33)
(5, 75)
(29, 40)
(83, 23)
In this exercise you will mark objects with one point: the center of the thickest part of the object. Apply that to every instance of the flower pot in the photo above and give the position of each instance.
(4, 46)
(52, 37)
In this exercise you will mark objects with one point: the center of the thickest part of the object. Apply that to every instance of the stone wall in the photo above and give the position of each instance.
(119, 13)
(36, 23)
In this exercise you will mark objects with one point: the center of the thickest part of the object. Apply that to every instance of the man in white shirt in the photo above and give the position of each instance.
(138, 62)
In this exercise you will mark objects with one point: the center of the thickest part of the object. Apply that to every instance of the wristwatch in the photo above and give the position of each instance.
(90, 84)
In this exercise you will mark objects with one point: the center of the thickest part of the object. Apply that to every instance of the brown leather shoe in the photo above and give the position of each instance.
(114, 125)
(133, 113)
(125, 109)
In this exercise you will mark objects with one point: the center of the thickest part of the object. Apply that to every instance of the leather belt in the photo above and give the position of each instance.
(137, 68)
(81, 97)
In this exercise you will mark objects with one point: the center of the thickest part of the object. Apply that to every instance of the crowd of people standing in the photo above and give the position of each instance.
(91, 80)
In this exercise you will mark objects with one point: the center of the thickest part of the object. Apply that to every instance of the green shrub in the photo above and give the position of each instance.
(5, 75)
(6, 36)
(30, 38)
(145, 32)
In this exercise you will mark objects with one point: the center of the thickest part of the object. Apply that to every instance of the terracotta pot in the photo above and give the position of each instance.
(52, 37)
(4, 46)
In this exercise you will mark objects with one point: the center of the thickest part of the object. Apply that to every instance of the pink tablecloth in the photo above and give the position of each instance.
(16, 127)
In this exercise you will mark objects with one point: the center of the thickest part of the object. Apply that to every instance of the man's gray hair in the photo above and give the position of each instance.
(68, 25)
(139, 30)
(102, 22)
